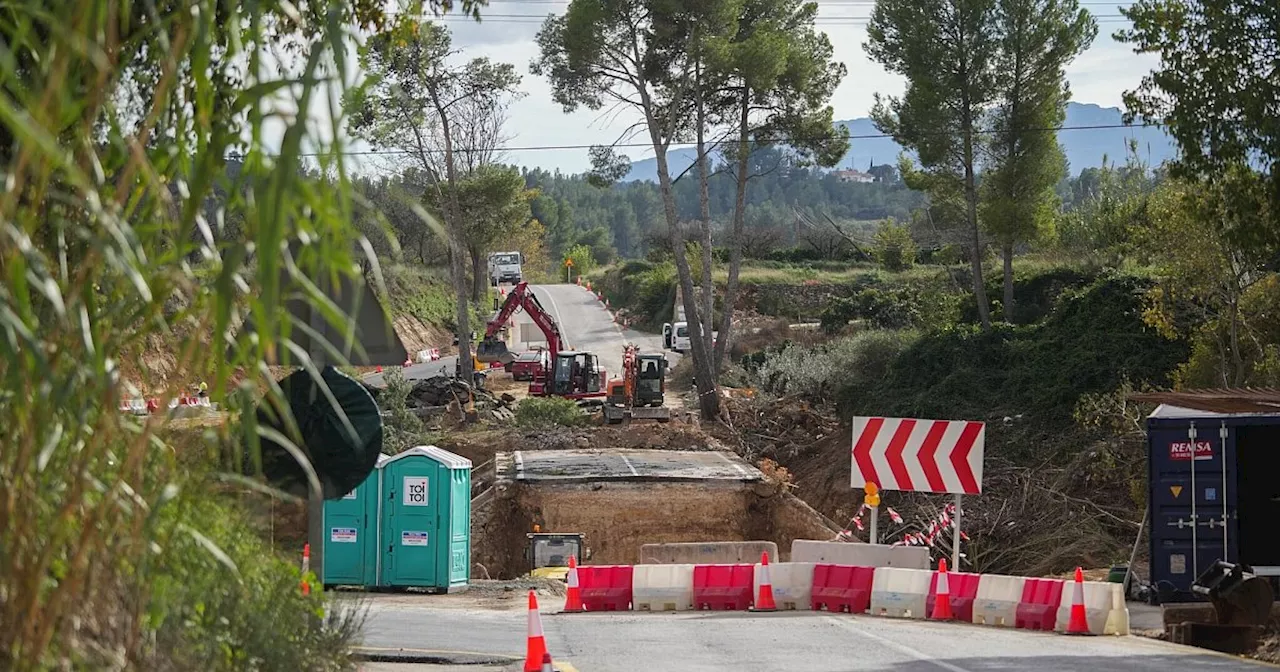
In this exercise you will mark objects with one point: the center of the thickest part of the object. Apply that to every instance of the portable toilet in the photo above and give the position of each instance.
(351, 534)
(426, 520)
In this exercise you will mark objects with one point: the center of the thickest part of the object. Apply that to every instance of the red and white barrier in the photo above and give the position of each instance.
(428, 355)
(984, 599)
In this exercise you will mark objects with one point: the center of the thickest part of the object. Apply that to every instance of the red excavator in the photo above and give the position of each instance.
(573, 375)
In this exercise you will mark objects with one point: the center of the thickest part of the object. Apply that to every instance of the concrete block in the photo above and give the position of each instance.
(860, 555)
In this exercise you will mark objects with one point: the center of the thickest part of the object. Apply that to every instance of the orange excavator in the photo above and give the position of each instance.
(638, 395)
(573, 375)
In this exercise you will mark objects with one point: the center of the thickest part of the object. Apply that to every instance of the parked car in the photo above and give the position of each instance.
(528, 365)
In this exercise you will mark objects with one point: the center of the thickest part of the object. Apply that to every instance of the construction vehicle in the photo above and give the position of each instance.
(505, 267)
(639, 394)
(548, 553)
(573, 375)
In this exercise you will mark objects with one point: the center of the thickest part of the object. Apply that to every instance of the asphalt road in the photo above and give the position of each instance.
(583, 320)
(785, 641)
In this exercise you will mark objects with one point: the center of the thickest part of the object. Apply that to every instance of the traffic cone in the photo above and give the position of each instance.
(306, 567)
(942, 603)
(379, 369)
(536, 649)
(573, 597)
(546, 663)
(764, 601)
(1078, 623)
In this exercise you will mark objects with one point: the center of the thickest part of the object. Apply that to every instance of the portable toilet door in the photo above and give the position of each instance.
(422, 525)
(350, 542)
(456, 473)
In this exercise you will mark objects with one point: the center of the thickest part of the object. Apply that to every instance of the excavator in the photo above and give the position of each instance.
(639, 394)
(573, 375)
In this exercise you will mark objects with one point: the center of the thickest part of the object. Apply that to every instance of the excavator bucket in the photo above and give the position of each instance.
(492, 350)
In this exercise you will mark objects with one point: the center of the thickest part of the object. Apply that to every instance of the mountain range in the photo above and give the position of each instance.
(1085, 144)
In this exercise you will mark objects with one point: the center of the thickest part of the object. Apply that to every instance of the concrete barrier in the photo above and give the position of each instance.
(792, 584)
(662, 587)
(1104, 608)
(997, 600)
(709, 553)
(900, 593)
(860, 555)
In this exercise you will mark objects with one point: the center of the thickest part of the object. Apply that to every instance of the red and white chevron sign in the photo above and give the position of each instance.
(918, 455)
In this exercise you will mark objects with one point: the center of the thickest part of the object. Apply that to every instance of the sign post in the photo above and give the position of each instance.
(871, 497)
(943, 456)
(568, 270)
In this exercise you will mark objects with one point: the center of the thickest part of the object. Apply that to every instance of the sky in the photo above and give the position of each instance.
(1100, 75)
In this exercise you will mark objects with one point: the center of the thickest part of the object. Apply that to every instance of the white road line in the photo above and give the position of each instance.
(733, 464)
(900, 648)
(629, 465)
(555, 308)
(519, 465)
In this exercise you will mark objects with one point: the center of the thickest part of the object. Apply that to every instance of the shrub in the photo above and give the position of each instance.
(817, 373)
(548, 412)
(402, 428)
(893, 247)
(896, 308)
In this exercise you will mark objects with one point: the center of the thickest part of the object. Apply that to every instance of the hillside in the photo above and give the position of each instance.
(1084, 147)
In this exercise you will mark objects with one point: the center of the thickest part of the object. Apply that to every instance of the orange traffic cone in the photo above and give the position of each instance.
(546, 663)
(573, 597)
(764, 601)
(306, 567)
(536, 648)
(942, 603)
(1078, 624)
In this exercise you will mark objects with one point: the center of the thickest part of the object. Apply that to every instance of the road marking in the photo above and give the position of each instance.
(565, 667)
(733, 464)
(900, 648)
(629, 465)
(519, 465)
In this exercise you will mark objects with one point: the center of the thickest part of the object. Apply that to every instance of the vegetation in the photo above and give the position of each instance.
(115, 125)
(549, 412)
(402, 429)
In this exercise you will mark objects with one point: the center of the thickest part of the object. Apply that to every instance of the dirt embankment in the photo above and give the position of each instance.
(418, 335)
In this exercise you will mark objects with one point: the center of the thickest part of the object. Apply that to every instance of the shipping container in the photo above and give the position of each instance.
(1214, 494)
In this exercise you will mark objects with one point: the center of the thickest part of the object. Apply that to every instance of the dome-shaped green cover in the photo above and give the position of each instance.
(342, 461)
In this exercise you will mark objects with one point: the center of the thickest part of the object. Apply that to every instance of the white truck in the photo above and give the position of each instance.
(505, 267)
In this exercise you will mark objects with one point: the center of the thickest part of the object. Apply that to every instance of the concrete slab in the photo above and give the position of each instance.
(580, 466)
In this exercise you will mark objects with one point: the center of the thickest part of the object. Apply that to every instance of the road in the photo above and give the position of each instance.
(741, 641)
(574, 466)
(583, 320)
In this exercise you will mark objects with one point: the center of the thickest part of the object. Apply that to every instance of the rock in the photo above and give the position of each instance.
(507, 397)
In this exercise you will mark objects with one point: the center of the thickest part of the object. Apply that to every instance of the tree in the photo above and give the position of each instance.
(1215, 90)
(621, 52)
(1205, 272)
(947, 50)
(495, 205)
(1038, 39)
(413, 93)
(779, 77)
(893, 247)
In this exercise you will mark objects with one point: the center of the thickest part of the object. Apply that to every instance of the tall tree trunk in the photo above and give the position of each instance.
(458, 248)
(1008, 282)
(708, 396)
(704, 222)
(739, 224)
(971, 201)
(479, 279)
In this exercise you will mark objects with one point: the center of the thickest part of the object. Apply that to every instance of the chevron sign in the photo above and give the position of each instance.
(918, 455)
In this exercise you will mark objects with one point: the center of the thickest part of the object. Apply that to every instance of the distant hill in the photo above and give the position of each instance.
(1085, 148)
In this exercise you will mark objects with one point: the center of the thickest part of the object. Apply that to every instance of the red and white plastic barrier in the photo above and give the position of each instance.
(428, 355)
(984, 599)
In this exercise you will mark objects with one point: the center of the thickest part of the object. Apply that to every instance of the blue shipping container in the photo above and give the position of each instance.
(1214, 493)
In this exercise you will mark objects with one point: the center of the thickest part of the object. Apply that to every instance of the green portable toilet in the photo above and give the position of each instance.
(426, 520)
(351, 534)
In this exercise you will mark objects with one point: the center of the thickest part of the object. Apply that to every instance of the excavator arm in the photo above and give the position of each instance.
(493, 349)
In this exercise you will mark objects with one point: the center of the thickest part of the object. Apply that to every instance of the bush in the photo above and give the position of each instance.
(893, 247)
(897, 308)
(402, 428)
(817, 373)
(1092, 341)
(241, 611)
(548, 412)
